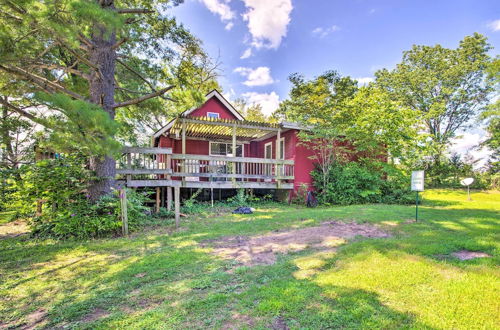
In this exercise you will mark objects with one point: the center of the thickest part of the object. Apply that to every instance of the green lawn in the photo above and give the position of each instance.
(163, 278)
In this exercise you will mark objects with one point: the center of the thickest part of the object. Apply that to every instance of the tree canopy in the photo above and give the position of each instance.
(90, 63)
(447, 88)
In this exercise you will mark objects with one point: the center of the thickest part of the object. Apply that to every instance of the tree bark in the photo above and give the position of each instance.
(102, 92)
(9, 158)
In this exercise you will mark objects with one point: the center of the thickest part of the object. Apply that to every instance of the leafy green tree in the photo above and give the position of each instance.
(346, 122)
(252, 112)
(445, 87)
(492, 118)
(73, 55)
(194, 74)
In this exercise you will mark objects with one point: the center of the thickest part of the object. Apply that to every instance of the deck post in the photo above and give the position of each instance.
(124, 213)
(162, 197)
(129, 166)
(157, 208)
(234, 151)
(169, 177)
(177, 192)
(278, 157)
(169, 198)
(183, 163)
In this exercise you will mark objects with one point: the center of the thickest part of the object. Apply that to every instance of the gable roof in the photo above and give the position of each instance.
(215, 93)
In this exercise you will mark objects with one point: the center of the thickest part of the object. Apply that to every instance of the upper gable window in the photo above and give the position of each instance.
(213, 115)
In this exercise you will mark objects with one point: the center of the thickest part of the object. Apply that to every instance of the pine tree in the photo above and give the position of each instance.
(71, 56)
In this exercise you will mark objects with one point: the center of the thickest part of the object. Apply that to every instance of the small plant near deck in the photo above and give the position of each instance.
(191, 205)
(240, 199)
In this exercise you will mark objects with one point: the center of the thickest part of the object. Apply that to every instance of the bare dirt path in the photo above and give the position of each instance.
(262, 249)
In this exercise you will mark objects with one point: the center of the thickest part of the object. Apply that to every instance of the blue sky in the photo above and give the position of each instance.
(262, 42)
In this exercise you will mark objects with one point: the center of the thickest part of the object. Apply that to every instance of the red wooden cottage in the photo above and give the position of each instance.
(213, 128)
(213, 146)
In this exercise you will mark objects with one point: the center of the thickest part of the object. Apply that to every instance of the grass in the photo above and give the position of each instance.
(162, 278)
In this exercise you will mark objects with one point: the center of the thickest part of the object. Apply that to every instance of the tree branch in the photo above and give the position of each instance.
(134, 11)
(143, 98)
(63, 68)
(40, 81)
(119, 43)
(20, 111)
(126, 66)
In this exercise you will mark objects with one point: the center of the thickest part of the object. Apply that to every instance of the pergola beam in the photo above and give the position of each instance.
(230, 124)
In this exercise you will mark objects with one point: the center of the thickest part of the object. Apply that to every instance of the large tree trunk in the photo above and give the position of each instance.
(102, 92)
(9, 159)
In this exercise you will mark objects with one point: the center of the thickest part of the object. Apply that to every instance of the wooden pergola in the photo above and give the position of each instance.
(216, 128)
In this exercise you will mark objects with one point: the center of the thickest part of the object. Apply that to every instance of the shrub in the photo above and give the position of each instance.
(355, 183)
(301, 197)
(57, 188)
(83, 219)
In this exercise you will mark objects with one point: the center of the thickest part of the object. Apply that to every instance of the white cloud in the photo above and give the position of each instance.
(229, 95)
(221, 8)
(321, 32)
(246, 54)
(268, 101)
(495, 25)
(467, 143)
(267, 21)
(363, 81)
(256, 77)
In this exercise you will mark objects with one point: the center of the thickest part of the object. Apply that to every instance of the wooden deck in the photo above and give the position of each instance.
(164, 170)
(159, 167)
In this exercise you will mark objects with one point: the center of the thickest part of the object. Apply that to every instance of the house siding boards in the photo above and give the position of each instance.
(215, 104)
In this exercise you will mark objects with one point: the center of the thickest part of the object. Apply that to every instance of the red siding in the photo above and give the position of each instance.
(213, 105)
(293, 149)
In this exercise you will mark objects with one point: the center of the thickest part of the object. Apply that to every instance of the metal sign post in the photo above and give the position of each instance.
(417, 184)
(467, 182)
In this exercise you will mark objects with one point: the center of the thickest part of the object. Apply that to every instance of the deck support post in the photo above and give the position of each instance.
(177, 192)
(129, 166)
(234, 152)
(169, 198)
(162, 197)
(183, 149)
(278, 157)
(169, 177)
(158, 199)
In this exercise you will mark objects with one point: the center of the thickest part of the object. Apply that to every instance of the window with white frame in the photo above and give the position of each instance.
(282, 148)
(225, 149)
(212, 114)
(268, 150)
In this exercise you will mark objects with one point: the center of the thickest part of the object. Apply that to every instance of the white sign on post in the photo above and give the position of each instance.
(417, 181)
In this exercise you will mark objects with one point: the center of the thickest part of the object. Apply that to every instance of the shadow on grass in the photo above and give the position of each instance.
(168, 281)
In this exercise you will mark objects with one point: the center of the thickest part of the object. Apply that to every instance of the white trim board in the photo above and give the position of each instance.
(213, 113)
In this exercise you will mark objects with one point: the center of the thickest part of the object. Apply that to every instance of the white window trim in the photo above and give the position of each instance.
(213, 113)
(282, 149)
(265, 148)
(231, 144)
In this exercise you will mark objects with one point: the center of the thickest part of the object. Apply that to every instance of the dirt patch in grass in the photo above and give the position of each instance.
(467, 255)
(13, 229)
(279, 324)
(95, 315)
(262, 250)
(239, 321)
